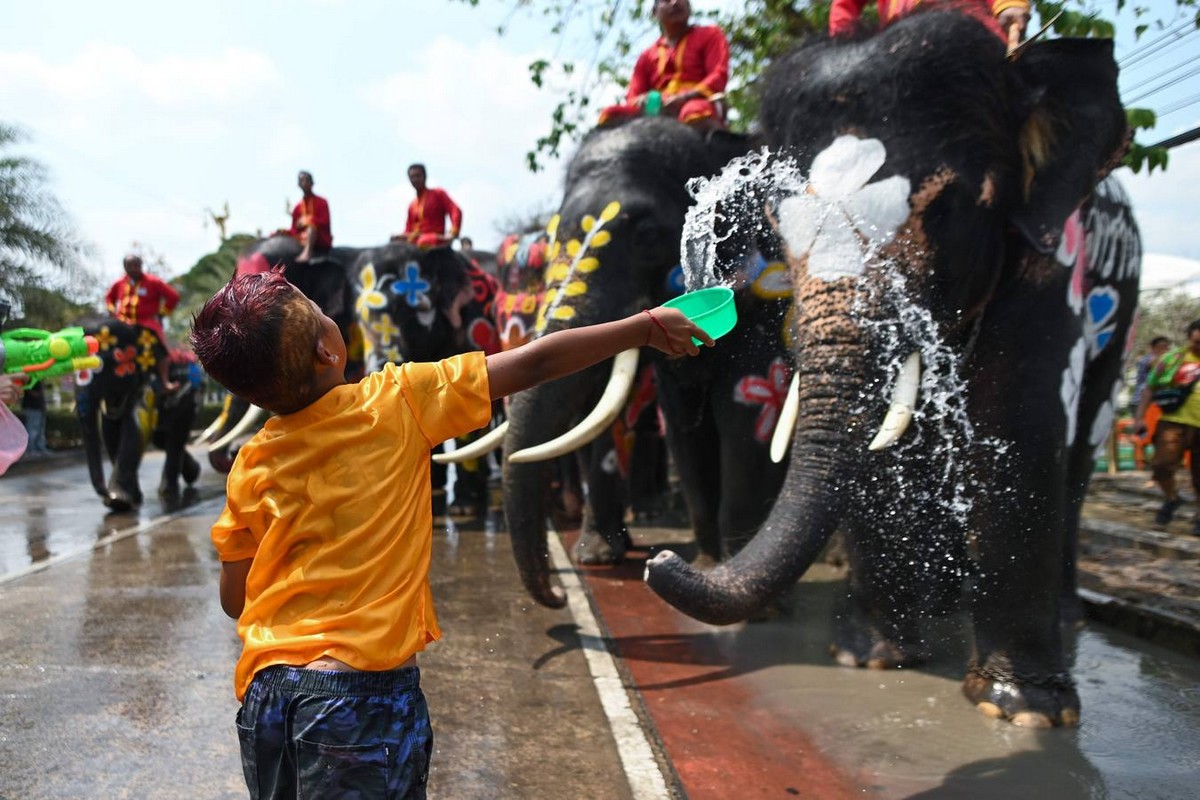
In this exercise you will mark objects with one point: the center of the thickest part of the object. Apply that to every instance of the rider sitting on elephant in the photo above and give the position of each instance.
(310, 222)
(142, 299)
(688, 66)
(426, 225)
(844, 15)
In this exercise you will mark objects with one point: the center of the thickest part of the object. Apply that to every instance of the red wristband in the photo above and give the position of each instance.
(650, 331)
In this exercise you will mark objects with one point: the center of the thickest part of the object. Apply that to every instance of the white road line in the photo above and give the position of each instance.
(646, 780)
(124, 533)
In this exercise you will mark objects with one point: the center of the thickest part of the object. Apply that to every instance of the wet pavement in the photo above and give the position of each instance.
(116, 675)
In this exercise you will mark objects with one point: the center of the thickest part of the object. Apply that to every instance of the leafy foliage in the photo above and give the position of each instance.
(1166, 312)
(39, 248)
(606, 35)
(207, 275)
(50, 310)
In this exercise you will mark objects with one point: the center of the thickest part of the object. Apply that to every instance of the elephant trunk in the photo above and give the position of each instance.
(826, 445)
(534, 416)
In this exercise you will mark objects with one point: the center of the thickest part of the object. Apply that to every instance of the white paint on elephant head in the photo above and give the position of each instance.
(1102, 424)
(839, 209)
(1072, 384)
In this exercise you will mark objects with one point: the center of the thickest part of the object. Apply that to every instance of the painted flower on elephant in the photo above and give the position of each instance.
(563, 275)
(105, 338)
(839, 212)
(369, 295)
(125, 358)
(768, 391)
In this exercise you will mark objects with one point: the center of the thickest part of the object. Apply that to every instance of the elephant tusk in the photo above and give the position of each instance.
(476, 449)
(904, 401)
(252, 415)
(786, 424)
(611, 402)
(214, 427)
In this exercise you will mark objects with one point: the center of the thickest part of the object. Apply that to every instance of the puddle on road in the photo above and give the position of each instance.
(50, 509)
(911, 733)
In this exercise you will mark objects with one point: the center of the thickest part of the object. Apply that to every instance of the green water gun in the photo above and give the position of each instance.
(40, 354)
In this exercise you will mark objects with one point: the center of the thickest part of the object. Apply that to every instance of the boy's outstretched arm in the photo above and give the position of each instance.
(563, 352)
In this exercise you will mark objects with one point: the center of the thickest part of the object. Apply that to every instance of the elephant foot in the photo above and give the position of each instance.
(874, 646)
(1047, 702)
(121, 501)
(190, 470)
(594, 549)
(879, 655)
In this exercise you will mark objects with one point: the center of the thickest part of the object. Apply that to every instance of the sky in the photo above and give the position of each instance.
(151, 115)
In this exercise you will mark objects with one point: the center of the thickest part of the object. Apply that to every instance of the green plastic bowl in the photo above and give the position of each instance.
(712, 309)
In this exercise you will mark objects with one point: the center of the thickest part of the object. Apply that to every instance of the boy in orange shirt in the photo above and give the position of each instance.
(327, 530)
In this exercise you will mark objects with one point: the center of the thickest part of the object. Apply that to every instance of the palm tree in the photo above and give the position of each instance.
(38, 244)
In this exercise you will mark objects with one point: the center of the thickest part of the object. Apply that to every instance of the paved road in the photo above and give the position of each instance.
(115, 682)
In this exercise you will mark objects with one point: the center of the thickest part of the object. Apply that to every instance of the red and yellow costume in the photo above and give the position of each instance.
(427, 214)
(698, 62)
(142, 302)
(312, 210)
(844, 14)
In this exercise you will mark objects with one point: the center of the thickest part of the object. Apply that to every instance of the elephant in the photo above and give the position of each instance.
(415, 304)
(121, 406)
(958, 246)
(615, 249)
(326, 280)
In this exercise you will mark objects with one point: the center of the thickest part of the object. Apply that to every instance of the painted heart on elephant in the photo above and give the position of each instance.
(965, 277)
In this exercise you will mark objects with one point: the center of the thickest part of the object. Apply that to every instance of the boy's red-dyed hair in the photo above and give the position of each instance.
(256, 337)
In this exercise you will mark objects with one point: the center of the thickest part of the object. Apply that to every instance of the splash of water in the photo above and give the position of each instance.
(729, 208)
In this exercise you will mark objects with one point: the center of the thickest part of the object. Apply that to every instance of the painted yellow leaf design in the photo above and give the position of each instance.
(588, 223)
(549, 297)
(601, 238)
(565, 312)
(573, 247)
(610, 211)
(575, 288)
(587, 265)
(557, 272)
(555, 249)
(552, 225)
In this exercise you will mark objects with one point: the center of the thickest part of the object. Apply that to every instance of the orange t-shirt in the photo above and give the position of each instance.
(333, 503)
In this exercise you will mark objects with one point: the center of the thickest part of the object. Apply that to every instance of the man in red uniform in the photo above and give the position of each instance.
(310, 221)
(844, 14)
(688, 65)
(142, 299)
(426, 225)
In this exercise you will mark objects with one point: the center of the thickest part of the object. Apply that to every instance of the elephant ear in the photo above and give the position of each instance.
(1073, 131)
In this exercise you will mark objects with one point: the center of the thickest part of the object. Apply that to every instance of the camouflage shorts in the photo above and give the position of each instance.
(314, 733)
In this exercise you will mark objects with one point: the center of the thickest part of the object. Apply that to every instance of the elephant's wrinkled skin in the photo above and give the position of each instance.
(615, 250)
(962, 170)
